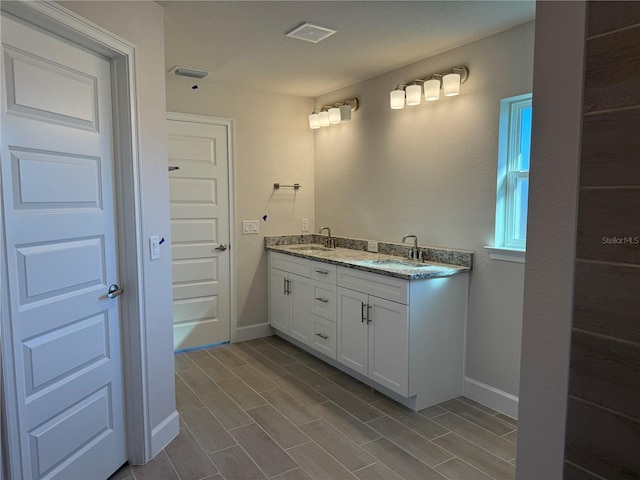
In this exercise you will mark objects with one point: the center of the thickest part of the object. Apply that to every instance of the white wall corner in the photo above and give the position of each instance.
(166, 431)
(491, 397)
(253, 331)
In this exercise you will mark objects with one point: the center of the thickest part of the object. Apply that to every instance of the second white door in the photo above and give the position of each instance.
(200, 231)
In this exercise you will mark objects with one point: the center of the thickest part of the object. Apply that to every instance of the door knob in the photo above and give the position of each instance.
(222, 247)
(114, 291)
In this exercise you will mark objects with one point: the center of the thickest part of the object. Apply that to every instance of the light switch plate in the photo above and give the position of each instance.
(372, 246)
(250, 227)
(305, 224)
(154, 247)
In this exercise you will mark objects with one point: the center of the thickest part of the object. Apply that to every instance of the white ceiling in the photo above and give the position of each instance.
(244, 42)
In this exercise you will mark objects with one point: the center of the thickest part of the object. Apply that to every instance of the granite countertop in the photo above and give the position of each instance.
(389, 265)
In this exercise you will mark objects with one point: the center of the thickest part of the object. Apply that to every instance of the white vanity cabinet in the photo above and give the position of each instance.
(404, 338)
(289, 296)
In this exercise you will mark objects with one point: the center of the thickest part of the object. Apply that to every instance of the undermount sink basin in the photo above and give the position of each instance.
(394, 264)
(311, 248)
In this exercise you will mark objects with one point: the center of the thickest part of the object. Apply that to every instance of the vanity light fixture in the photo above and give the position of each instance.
(333, 114)
(449, 82)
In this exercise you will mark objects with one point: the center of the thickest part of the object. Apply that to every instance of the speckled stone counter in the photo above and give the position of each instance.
(390, 261)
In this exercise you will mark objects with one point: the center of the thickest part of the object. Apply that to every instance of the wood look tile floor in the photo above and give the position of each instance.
(264, 409)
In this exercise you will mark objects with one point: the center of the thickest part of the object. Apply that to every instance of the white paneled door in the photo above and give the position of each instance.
(200, 231)
(59, 221)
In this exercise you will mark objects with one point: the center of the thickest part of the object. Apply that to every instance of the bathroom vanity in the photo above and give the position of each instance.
(394, 324)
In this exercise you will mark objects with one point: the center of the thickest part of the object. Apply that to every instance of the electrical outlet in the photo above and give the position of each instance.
(372, 246)
(250, 227)
(305, 224)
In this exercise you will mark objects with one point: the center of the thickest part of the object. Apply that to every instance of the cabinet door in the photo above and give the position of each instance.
(389, 345)
(279, 303)
(299, 293)
(352, 330)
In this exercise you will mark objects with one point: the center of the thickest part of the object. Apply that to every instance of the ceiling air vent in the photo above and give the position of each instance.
(310, 33)
(189, 72)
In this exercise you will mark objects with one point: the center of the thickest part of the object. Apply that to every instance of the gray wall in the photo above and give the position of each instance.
(557, 105)
(430, 170)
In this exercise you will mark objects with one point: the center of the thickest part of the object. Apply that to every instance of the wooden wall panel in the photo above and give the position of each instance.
(602, 441)
(612, 76)
(606, 16)
(607, 299)
(605, 372)
(611, 148)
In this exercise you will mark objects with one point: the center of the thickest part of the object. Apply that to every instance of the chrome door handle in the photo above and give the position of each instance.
(222, 247)
(114, 291)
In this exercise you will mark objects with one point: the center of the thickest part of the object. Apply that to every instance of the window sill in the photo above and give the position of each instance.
(506, 254)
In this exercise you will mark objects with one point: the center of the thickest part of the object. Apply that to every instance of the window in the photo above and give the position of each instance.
(513, 172)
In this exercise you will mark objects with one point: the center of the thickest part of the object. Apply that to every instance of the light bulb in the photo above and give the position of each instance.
(345, 112)
(432, 90)
(396, 97)
(451, 84)
(313, 121)
(414, 94)
(334, 115)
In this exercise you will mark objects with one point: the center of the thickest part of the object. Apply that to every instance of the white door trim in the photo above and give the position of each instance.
(229, 124)
(122, 54)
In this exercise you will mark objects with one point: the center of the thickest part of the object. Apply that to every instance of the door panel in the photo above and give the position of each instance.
(389, 345)
(279, 303)
(301, 325)
(352, 331)
(59, 219)
(199, 223)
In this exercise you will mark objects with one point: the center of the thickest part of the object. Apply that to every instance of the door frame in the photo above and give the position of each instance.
(122, 56)
(229, 124)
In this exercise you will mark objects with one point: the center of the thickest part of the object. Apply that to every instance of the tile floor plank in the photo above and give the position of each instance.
(418, 446)
(265, 366)
(268, 455)
(377, 471)
(410, 419)
(198, 381)
(283, 345)
(285, 433)
(355, 387)
(297, 474)
(456, 469)
(243, 395)
(480, 418)
(476, 456)
(345, 422)
(235, 464)
(182, 361)
(226, 357)
(228, 412)
(188, 458)
(352, 404)
(314, 363)
(289, 406)
(186, 400)
(308, 376)
(401, 462)
(481, 437)
(304, 393)
(213, 368)
(318, 463)
(276, 356)
(338, 445)
(207, 430)
(254, 378)
(159, 468)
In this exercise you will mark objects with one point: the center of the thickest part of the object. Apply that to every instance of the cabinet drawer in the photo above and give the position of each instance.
(324, 272)
(289, 263)
(323, 300)
(389, 288)
(324, 336)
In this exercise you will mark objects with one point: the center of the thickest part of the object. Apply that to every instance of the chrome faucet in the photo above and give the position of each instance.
(414, 252)
(330, 242)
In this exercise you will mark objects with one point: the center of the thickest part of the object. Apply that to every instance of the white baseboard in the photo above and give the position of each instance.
(491, 397)
(253, 331)
(164, 433)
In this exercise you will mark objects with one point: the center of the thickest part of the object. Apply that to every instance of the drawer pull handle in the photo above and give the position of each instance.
(323, 272)
(322, 336)
(363, 314)
(323, 300)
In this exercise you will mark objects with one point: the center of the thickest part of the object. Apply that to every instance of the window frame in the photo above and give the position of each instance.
(508, 175)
